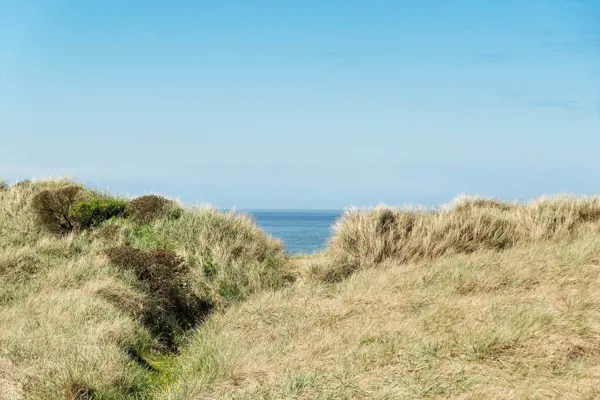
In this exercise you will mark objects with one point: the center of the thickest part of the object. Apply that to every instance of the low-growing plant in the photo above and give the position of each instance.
(173, 304)
(145, 209)
(4, 185)
(52, 208)
(89, 213)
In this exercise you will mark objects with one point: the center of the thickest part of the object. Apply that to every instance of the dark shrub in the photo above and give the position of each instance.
(52, 208)
(92, 212)
(173, 305)
(3, 185)
(146, 208)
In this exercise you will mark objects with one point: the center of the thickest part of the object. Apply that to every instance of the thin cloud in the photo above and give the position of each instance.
(492, 57)
(568, 105)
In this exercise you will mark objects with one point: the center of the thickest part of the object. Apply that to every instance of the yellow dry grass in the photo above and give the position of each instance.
(479, 300)
(367, 238)
(518, 324)
(69, 321)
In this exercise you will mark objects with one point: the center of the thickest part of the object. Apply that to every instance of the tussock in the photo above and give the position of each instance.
(367, 238)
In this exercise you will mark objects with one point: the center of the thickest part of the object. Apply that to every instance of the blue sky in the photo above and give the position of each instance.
(304, 104)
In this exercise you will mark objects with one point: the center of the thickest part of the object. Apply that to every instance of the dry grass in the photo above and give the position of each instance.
(367, 238)
(478, 300)
(73, 323)
(523, 323)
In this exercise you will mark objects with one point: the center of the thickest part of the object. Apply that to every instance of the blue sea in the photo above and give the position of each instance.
(301, 231)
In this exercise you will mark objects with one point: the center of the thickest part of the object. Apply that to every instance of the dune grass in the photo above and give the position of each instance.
(367, 238)
(480, 299)
(522, 323)
(75, 323)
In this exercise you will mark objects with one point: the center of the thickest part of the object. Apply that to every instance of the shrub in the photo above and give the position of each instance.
(145, 209)
(52, 208)
(173, 305)
(92, 212)
(3, 185)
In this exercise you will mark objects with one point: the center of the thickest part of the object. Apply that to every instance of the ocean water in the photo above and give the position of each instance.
(302, 231)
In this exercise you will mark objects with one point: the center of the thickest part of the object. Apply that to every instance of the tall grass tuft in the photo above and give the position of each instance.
(369, 237)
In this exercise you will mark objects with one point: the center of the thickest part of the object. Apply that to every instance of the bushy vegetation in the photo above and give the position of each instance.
(145, 209)
(4, 185)
(53, 208)
(63, 209)
(173, 306)
(92, 212)
(367, 238)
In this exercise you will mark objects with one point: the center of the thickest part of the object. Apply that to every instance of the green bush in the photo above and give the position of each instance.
(173, 304)
(145, 209)
(52, 208)
(89, 213)
(3, 185)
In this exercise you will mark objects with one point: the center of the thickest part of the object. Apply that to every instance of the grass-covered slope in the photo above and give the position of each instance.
(94, 288)
(367, 238)
(109, 298)
(523, 323)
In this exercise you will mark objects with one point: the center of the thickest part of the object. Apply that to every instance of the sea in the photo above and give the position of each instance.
(302, 232)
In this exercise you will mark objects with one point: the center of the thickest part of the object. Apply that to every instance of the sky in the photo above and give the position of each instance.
(304, 104)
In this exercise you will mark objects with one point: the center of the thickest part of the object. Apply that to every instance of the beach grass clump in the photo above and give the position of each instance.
(370, 237)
